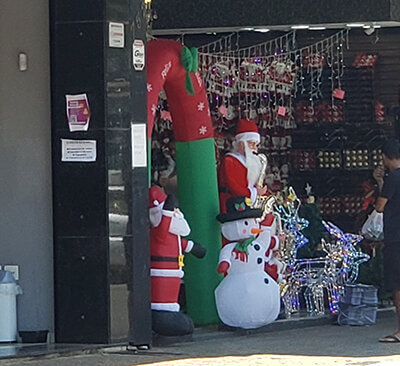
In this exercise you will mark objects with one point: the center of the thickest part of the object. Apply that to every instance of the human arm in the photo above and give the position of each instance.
(387, 192)
(380, 204)
(378, 174)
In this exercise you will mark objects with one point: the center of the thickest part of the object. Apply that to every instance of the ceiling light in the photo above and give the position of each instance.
(354, 25)
(367, 26)
(247, 29)
(377, 26)
(300, 26)
(317, 28)
(262, 30)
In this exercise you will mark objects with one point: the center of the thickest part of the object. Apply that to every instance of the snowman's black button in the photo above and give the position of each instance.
(259, 260)
(266, 281)
(257, 247)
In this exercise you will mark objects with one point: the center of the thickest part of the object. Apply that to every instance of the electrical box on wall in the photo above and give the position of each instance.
(22, 61)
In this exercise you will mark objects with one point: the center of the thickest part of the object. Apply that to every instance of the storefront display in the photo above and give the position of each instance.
(318, 118)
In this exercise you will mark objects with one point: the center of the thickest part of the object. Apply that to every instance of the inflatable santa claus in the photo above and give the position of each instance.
(167, 246)
(274, 266)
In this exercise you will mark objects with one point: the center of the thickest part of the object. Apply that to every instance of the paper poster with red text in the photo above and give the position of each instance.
(78, 112)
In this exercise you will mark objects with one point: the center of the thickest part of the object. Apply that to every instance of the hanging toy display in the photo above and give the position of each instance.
(167, 248)
(247, 297)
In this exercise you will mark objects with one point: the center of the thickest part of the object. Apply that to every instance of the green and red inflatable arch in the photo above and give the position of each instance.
(173, 67)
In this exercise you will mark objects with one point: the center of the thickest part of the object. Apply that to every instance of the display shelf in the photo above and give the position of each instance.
(335, 149)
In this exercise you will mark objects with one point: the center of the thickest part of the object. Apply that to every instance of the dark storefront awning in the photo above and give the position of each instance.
(188, 16)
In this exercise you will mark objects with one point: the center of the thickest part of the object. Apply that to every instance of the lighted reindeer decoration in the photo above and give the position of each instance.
(338, 268)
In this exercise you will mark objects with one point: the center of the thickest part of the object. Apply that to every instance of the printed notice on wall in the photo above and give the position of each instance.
(78, 150)
(116, 37)
(138, 57)
(139, 145)
(78, 112)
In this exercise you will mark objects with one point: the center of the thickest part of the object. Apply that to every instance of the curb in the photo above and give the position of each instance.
(201, 334)
(211, 332)
(51, 354)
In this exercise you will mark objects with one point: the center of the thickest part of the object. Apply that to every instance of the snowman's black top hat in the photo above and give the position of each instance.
(238, 208)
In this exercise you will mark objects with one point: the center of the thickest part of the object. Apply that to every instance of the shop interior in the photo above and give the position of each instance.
(324, 101)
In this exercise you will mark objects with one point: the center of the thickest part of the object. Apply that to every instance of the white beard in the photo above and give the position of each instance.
(253, 165)
(155, 215)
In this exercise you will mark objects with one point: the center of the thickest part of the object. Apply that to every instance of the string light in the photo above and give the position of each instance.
(314, 276)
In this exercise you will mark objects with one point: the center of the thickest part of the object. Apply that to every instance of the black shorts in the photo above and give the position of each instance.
(391, 266)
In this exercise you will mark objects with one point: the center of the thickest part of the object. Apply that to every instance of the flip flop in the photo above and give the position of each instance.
(390, 339)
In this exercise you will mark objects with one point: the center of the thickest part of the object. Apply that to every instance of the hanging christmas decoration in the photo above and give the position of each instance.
(261, 82)
(270, 74)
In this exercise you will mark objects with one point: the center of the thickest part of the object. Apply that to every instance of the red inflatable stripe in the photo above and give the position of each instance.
(191, 118)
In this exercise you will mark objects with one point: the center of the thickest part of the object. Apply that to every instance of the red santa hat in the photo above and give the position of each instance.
(246, 131)
(157, 199)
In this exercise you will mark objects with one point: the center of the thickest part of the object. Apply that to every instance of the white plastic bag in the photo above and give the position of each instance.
(373, 227)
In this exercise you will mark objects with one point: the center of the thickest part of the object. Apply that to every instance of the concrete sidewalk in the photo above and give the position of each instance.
(317, 345)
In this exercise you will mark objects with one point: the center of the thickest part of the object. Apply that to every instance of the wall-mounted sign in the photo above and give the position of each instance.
(139, 145)
(138, 53)
(116, 35)
(78, 150)
(78, 112)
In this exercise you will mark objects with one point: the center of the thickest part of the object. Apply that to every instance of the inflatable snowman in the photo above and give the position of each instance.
(247, 297)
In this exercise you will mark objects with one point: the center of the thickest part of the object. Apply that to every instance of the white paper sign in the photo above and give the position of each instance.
(138, 55)
(116, 35)
(78, 150)
(139, 145)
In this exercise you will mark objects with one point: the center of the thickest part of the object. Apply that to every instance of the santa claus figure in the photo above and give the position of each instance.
(274, 266)
(240, 169)
(167, 247)
(247, 297)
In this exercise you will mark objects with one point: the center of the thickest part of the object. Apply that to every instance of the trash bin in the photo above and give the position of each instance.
(8, 306)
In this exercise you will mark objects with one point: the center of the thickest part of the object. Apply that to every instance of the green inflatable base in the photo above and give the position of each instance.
(198, 200)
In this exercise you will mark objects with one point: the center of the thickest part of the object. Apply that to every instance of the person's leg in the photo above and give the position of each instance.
(397, 305)
(395, 337)
(392, 283)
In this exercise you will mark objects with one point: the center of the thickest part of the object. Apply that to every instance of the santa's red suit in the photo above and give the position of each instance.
(232, 179)
(273, 266)
(233, 173)
(167, 249)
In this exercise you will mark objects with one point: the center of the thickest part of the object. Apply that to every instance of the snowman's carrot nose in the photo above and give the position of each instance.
(255, 231)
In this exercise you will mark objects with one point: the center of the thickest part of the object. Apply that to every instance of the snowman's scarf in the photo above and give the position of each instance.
(241, 249)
